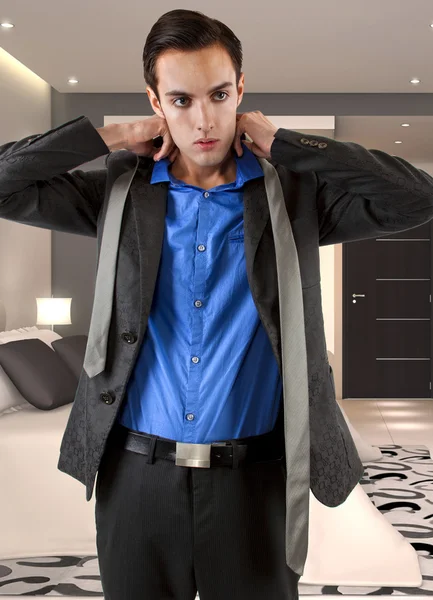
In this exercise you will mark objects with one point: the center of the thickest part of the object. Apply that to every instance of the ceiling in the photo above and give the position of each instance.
(338, 46)
(368, 46)
(381, 132)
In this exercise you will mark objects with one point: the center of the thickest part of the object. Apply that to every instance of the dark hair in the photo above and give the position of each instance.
(188, 30)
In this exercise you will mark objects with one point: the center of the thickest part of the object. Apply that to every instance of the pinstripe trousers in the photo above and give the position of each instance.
(166, 532)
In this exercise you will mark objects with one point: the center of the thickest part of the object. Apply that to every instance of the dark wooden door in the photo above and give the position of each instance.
(387, 341)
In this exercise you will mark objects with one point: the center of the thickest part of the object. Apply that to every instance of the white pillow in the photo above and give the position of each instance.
(16, 331)
(46, 335)
(10, 397)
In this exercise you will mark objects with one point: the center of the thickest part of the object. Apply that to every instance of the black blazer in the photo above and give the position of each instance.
(334, 192)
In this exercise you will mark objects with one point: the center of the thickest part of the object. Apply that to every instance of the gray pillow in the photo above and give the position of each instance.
(38, 373)
(72, 350)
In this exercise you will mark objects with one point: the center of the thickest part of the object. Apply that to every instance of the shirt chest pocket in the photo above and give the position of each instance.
(236, 234)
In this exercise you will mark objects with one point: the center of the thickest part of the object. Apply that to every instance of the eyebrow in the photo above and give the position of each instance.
(214, 89)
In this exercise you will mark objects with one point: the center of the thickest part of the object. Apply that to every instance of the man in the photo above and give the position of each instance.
(194, 347)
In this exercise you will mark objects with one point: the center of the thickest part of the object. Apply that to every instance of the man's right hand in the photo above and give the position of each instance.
(138, 136)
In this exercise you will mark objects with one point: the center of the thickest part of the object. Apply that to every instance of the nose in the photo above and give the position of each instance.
(205, 120)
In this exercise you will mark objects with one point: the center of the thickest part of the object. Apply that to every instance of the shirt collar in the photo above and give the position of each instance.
(247, 167)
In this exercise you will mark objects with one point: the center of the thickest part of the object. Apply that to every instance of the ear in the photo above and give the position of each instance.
(240, 89)
(154, 102)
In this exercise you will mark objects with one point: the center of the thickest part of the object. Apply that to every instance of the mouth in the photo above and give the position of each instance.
(208, 145)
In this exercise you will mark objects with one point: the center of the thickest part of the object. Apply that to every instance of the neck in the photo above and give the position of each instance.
(205, 177)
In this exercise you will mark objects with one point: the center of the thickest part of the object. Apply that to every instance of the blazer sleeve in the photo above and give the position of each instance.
(361, 193)
(36, 187)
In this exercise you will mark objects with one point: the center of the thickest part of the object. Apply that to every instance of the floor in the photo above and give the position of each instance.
(392, 421)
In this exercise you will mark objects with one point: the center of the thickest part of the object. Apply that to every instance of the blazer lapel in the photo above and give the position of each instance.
(256, 215)
(149, 205)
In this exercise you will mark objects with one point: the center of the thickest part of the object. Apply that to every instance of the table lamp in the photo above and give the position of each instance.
(54, 311)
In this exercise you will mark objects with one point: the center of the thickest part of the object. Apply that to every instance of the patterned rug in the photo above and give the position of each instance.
(404, 479)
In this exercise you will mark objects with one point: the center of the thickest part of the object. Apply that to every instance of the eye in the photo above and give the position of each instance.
(184, 97)
(181, 98)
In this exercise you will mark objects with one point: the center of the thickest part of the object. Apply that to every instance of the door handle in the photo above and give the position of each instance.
(360, 295)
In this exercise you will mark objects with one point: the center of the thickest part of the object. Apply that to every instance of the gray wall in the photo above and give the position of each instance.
(74, 257)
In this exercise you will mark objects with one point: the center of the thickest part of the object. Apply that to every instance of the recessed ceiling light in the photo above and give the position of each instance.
(398, 142)
(415, 81)
(72, 80)
(7, 25)
(405, 125)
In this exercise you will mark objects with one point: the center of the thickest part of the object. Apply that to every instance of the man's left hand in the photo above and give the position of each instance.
(259, 129)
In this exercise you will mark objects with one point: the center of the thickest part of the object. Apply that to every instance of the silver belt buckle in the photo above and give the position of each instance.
(193, 455)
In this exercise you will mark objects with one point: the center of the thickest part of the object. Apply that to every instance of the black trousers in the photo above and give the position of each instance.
(166, 531)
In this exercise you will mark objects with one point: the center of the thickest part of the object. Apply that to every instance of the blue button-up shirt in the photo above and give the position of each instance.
(205, 371)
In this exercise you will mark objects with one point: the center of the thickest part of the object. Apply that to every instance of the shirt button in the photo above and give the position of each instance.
(206, 194)
(195, 359)
(198, 303)
(201, 248)
(190, 417)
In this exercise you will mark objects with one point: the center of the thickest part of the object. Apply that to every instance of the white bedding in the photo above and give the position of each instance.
(44, 511)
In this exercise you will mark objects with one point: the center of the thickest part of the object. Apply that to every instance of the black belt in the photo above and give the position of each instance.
(230, 453)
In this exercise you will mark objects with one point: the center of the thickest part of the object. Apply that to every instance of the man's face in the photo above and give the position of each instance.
(198, 112)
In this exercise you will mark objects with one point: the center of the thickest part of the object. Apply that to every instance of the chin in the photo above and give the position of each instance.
(211, 162)
(217, 155)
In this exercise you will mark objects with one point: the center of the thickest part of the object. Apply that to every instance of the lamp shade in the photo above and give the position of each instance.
(54, 311)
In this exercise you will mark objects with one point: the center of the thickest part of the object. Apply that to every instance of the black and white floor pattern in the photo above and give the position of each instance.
(400, 486)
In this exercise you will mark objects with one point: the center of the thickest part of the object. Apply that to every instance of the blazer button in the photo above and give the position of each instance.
(106, 397)
(129, 337)
(305, 141)
(323, 145)
(314, 143)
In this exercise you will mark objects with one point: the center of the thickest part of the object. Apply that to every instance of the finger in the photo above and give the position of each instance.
(174, 154)
(249, 145)
(240, 129)
(164, 150)
(153, 152)
(238, 144)
(165, 141)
